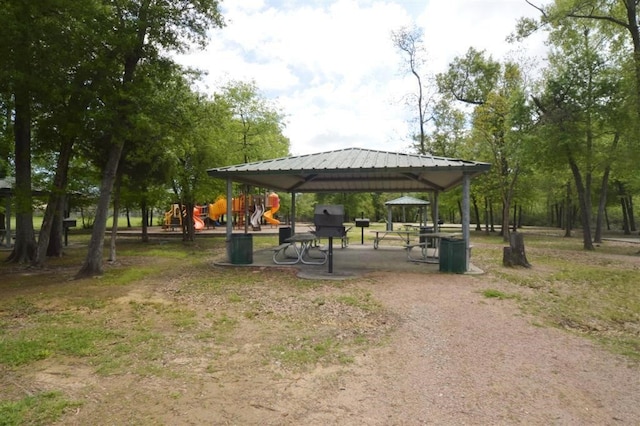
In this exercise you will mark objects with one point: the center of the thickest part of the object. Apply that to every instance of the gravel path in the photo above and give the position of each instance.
(460, 358)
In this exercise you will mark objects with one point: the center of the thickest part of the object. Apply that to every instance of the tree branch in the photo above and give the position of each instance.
(599, 18)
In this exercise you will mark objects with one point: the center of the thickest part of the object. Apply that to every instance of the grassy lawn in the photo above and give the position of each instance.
(594, 294)
(165, 314)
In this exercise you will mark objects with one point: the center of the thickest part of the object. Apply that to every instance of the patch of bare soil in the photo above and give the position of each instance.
(445, 355)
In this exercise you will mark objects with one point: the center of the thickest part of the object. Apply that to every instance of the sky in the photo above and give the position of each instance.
(330, 65)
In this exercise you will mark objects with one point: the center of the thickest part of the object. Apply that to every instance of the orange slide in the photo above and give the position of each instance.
(274, 201)
(268, 216)
(198, 224)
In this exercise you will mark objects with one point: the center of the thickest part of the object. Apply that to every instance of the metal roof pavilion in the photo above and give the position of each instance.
(354, 170)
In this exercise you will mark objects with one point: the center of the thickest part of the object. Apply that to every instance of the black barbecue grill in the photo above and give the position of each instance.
(328, 220)
(362, 223)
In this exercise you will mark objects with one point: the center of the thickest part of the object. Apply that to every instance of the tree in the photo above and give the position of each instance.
(141, 28)
(65, 121)
(198, 143)
(28, 26)
(501, 118)
(255, 132)
(411, 45)
(612, 16)
(449, 131)
(580, 112)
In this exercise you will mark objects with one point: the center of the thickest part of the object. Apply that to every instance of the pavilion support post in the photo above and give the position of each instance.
(389, 219)
(293, 213)
(246, 209)
(436, 212)
(466, 217)
(229, 227)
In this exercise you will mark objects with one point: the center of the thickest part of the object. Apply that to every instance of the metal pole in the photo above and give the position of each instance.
(330, 255)
(293, 213)
(436, 212)
(466, 217)
(229, 217)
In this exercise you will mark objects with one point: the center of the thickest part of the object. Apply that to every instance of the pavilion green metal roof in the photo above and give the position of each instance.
(353, 170)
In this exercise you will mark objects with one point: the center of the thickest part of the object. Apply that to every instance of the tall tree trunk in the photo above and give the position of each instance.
(519, 226)
(567, 212)
(491, 217)
(145, 221)
(187, 223)
(54, 249)
(486, 214)
(507, 198)
(55, 206)
(625, 217)
(584, 199)
(602, 201)
(504, 229)
(632, 219)
(93, 262)
(116, 216)
(24, 250)
(476, 211)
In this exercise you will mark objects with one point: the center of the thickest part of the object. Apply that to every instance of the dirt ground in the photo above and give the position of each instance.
(446, 355)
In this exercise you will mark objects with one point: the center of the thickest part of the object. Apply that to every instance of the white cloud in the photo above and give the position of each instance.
(330, 64)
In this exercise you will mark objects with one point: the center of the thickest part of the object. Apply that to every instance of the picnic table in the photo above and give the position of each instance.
(404, 236)
(429, 246)
(428, 243)
(298, 249)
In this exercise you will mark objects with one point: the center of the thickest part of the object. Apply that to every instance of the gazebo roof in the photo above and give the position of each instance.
(407, 201)
(353, 170)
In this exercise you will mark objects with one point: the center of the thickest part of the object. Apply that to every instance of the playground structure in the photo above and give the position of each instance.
(173, 218)
(209, 215)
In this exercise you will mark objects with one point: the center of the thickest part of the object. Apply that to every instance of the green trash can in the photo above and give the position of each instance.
(241, 249)
(453, 256)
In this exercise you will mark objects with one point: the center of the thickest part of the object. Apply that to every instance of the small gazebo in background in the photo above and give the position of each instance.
(408, 202)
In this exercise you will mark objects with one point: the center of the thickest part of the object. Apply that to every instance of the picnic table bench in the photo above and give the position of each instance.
(299, 247)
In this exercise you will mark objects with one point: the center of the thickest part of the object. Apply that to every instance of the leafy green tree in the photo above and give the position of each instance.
(196, 146)
(580, 113)
(449, 131)
(141, 31)
(618, 19)
(255, 132)
(31, 32)
(501, 118)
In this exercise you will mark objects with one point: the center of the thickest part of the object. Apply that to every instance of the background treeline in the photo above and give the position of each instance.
(94, 105)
